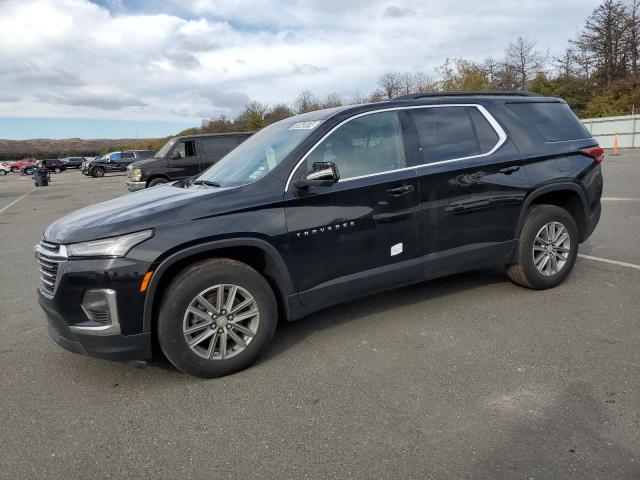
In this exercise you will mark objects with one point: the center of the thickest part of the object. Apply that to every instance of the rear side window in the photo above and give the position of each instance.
(444, 133)
(487, 136)
(214, 148)
(553, 120)
(127, 155)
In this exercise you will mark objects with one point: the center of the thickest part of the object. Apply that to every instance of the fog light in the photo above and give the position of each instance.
(99, 306)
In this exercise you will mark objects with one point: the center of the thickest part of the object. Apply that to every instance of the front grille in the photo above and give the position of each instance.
(51, 258)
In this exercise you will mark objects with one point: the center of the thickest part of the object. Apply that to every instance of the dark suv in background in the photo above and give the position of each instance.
(182, 157)
(319, 209)
(114, 162)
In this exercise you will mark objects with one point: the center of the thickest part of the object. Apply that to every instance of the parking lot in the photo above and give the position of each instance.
(464, 377)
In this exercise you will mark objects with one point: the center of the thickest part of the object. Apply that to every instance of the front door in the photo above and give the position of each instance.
(472, 188)
(360, 234)
(184, 160)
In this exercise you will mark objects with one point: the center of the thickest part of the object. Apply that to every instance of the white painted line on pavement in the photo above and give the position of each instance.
(616, 199)
(606, 260)
(15, 201)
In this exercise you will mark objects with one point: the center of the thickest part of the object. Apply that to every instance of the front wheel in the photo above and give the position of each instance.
(97, 172)
(14, 169)
(157, 181)
(547, 248)
(57, 170)
(216, 318)
(3, 172)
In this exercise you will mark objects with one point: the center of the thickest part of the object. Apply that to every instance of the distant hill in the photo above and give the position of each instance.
(44, 148)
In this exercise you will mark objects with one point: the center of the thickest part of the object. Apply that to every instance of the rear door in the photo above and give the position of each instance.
(184, 160)
(471, 186)
(213, 149)
(126, 159)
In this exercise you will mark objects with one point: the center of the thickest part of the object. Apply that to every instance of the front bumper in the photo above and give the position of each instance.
(110, 346)
(96, 308)
(135, 186)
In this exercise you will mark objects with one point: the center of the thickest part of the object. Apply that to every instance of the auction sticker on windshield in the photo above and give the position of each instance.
(305, 125)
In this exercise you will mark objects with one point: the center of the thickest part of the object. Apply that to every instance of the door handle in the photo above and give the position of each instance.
(509, 170)
(400, 191)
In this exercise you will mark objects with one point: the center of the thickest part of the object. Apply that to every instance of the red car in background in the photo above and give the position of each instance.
(16, 165)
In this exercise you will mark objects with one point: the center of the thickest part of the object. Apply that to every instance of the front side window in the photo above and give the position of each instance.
(115, 156)
(184, 150)
(443, 133)
(363, 146)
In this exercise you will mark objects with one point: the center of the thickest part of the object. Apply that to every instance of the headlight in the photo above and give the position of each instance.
(109, 247)
(135, 174)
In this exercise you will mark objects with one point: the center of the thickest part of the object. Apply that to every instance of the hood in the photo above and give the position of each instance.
(146, 161)
(148, 208)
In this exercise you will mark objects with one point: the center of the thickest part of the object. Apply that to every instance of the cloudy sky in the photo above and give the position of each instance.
(126, 68)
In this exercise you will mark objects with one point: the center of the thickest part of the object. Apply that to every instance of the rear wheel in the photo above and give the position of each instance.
(547, 248)
(56, 170)
(157, 181)
(216, 318)
(97, 172)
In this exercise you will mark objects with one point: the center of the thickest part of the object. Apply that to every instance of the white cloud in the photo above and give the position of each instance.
(75, 58)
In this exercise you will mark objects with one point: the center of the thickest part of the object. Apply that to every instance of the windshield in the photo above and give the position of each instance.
(258, 155)
(164, 150)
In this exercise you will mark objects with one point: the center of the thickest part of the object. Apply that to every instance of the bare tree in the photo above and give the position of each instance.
(357, 98)
(566, 63)
(332, 100)
(278, 112)
(603, 39)
(423, 83)
(632, 37)
(390, 84)
(306, 102)
(525, 60)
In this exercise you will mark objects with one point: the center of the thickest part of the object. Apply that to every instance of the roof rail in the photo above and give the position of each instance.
(515, 93)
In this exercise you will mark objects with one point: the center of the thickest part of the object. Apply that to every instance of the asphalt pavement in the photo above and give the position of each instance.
(468, 376)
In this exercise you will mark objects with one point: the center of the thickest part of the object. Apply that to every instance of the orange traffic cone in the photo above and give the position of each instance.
(615, 145)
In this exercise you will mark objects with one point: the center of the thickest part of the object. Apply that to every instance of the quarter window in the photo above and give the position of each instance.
(214, 148)
(444, 133)
(487, 136)
(363, 146)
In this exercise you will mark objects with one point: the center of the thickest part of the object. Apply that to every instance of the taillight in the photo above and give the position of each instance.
(596, 153)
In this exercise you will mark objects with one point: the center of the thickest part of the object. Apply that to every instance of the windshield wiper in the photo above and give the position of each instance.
(208, 183)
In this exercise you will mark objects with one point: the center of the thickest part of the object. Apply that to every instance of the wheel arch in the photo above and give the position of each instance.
(256, 253)
(566, 195)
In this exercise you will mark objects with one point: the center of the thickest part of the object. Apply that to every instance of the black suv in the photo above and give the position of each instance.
(319, 209)
(73, 162)
(182, 157)
(114, 162)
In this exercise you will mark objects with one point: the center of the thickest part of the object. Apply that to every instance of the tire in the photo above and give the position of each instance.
(524, 272)
(157, 181)
(57, 170)
(97, 172)
(14, 169)
(3, 172)
(205, 279)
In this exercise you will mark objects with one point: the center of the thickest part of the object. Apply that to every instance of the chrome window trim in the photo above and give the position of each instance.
(502, 138)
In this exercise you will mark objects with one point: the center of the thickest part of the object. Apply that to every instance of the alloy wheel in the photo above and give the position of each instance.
(221, 322)
(551, 248)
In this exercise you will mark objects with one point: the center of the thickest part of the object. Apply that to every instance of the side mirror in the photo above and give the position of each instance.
(324, 174)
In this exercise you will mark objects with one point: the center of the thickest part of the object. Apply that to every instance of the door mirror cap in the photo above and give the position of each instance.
(324, 174)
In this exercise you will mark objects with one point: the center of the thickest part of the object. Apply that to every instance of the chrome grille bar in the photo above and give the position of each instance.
(51, 257)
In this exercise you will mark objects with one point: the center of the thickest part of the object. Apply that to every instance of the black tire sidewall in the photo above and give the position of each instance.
(97, 172)
(536, 219)
(157, 181)
(183, 290)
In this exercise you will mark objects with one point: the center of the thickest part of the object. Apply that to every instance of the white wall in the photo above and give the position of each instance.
(604, 129)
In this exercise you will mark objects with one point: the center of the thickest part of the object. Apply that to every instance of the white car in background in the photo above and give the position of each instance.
(4, 169)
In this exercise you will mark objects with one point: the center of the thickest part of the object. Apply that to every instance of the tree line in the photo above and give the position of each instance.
(597, 74)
